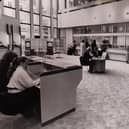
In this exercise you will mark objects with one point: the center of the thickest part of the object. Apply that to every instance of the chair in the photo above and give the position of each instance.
(9, 105)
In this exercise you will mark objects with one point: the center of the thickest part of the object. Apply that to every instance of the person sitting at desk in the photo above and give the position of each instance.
(22, 88)
(86, 58)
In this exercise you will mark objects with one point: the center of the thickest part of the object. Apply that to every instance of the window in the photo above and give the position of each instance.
(54, 8)
(9, 3)
(46, 7)
(24, 5)
(36, 6)
(36, 30)
(46, 32)
(9, 12)
(36, 19)
(118, 28)
(106, 29)
(25, 30)
(24, 17)
(46, 21)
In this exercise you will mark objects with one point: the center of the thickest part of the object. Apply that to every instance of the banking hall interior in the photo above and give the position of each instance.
(76, 92)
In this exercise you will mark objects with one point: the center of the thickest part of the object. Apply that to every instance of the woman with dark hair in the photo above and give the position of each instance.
(22, 91)
(5, 69)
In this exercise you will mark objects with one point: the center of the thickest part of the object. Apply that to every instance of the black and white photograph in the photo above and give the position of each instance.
(64, 64)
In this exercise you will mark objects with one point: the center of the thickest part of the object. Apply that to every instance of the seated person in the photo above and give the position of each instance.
(86, 58)
(22, 91)
(5, 69)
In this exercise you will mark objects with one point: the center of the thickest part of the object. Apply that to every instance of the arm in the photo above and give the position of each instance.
(26, 80)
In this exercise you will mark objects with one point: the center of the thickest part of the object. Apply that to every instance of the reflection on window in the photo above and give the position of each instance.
(46, 7)
(9, 12)
(25, 30)
(24, 5)
(9, 3)
(46, 21)
(36, 19)
(36, 6)
(24, 17)
(36, 30)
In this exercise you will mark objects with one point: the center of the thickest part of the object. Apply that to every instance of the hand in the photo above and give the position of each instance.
(37, 82)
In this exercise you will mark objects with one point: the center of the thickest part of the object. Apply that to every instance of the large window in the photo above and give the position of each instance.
(36, 30)
(55, 8)
(25, 30)
(24, 5)
(46, 32)
(118, 28)
(36, 6)
(46, 7)
(26, 14)
(107, 29)
(36, 19)
(9, 3)
(9, 8)
(9, 12)
(24, 17)
(46, 21)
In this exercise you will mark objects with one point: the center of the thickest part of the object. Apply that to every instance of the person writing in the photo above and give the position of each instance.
(22, 88)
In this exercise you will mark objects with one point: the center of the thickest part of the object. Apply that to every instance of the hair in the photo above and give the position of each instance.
(21, 59)
(5, 74)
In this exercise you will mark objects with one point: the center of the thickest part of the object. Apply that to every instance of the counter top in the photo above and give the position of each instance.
(62, 61)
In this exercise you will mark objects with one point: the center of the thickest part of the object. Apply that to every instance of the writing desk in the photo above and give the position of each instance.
(57, 87)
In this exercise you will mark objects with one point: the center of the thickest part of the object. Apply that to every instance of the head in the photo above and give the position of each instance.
(23, 61)
(83, 41)
(8, 58)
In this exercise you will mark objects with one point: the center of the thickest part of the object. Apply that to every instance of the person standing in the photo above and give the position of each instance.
(82, 48)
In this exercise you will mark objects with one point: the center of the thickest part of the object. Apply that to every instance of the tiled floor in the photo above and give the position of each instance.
(102, 103)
